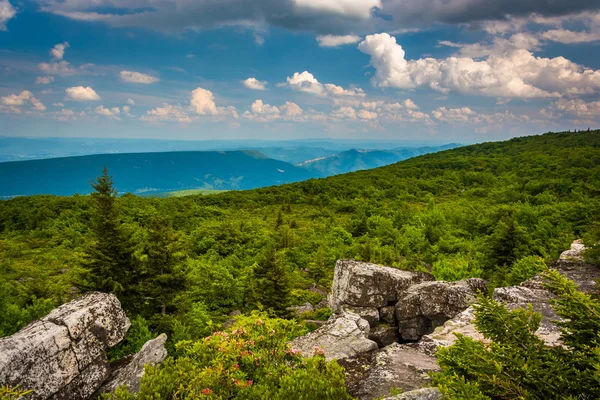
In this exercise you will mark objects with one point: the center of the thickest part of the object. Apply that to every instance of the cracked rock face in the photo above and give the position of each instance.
(63, 355)
(342, 336)
(373, 375)
(361, 284)
(428, 305)
(130, 374)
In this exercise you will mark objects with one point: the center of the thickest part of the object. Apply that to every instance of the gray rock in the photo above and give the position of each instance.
(342, 336)
(371, 314)
(521, 297)
(428, 305)
(384, 335)
(387, 314)
(299, 310)
(361, 284)
(444, 335)
(62, 356)
(374, 374)
(430, 393)
(575, 253)
(130, 373)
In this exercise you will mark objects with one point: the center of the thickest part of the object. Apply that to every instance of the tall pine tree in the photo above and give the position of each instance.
(109, 263)
(160, 267)
(270, 284)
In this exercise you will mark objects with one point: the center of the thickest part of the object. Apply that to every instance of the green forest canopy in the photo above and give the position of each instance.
(472, 211)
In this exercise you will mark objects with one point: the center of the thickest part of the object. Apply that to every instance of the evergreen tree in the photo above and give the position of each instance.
(270, 282)
(160, 267)
(279, 220)
(109, 265)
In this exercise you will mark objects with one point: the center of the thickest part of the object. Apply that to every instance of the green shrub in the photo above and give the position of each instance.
(251, 361)
(516, 364)
(525, 268)
(138, 334)
(454, 268)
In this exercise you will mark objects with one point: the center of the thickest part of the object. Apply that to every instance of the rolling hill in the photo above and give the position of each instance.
(355, 160)
(149, 172)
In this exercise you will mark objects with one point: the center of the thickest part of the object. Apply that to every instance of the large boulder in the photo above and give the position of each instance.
(373, 375)
(361, 284)
(342, 336)
(63, 355)
(130, 371)
(430, 304)
(575, 253)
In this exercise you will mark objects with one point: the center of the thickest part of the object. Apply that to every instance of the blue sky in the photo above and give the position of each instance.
(455, 70)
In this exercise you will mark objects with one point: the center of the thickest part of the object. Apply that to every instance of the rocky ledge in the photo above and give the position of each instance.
(63, 355)
(389, 323)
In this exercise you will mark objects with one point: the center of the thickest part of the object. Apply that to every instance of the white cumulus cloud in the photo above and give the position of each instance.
(307, 83)
(108, 112)
(167, 112)
(58, 51)
(44, 80)
(7, 12)
(80, 93)
(335, 41)
(13, 102)
(203, 103)
(255, 84)
(137, 77)
(516, 73)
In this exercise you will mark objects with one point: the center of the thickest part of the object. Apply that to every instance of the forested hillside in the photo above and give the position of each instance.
(183, 264)
(149, 172)
(356, 160)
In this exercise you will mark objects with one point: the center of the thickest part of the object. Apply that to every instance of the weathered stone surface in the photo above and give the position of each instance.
(521, 297)
(444, 335)
(575, 253)
(374, 374)
(342, 336)
(387, 314)
(371, 314)
(430, 393)
(62, 356)
(384, 335)
(428, 305)
(299, 310)
(361, 284)
(130, 373)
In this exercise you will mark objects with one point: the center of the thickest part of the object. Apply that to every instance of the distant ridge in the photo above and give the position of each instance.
(149, 172)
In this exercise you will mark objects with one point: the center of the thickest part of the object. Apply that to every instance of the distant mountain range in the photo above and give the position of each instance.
(149, 172)
(355, 160)
(157, 173)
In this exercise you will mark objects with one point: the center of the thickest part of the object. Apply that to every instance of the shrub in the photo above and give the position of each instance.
(251, 361)
(516, 364)
(525, 268)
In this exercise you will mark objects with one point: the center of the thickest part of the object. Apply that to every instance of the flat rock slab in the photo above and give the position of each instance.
(342, 336)
(374, 374)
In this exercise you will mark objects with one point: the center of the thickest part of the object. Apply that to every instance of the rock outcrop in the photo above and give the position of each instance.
(373, 375)
(63, 355)
(575, 253)
(342, 336)
(428, 305)
(130, 371)
(366, 285)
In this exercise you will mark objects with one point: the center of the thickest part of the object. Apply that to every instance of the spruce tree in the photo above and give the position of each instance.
(271, 282)
(160, 267)
(109, 263)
